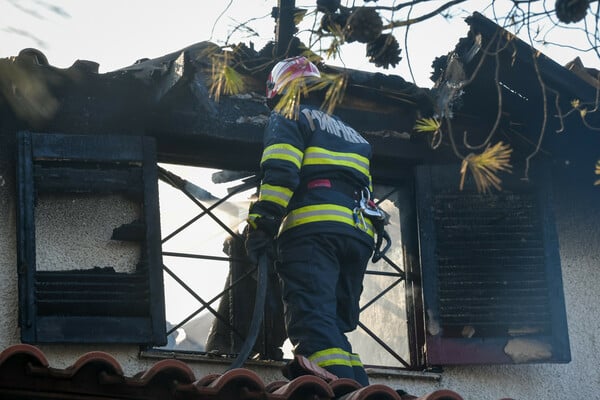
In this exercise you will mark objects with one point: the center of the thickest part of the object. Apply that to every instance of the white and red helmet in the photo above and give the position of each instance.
(287, 70)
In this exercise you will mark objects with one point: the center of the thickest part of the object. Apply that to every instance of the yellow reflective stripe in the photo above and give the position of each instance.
(332, 356)
(320, 156)
(325, 212)
(275, 194)
(355, 360)
(251, 219)
(282, 151)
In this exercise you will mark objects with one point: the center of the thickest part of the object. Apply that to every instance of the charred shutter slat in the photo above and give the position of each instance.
(91, 293)
(471, 271)
(490, 269)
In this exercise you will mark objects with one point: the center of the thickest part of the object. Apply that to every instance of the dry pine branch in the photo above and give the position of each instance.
(485, 167)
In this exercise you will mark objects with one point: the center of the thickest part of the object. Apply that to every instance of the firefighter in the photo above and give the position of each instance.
(315, 202)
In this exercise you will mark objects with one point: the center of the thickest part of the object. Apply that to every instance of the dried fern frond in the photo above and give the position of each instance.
(485, 166)
(597, 172)
(224, 79)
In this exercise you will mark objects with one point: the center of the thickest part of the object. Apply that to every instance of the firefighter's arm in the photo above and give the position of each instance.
(280, 167)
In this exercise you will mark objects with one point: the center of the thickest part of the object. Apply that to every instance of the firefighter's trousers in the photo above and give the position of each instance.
(322, 279)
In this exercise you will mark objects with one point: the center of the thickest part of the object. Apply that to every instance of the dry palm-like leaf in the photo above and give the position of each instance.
(225, 79)
(289, 104)
(295, 89)
(597, 172)
(336, 87)
(485, 166)
(427, 125)
(432, 125)
(311, 55)
(299, 15)
(334, 49)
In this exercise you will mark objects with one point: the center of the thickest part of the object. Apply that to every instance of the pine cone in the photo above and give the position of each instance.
(364, 25)
(384, 51)
(328, 6)
(568, 11)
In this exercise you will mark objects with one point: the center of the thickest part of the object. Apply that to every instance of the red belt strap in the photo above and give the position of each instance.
(326, 183)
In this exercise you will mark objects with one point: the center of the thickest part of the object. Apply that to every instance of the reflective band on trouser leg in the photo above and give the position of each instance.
(332, 356)
(325, 212)
(339, 362)
(355, 360)
(283, 152)
(275, 194)
(320, 156)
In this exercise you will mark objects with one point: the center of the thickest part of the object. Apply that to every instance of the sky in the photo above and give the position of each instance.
(116, 33)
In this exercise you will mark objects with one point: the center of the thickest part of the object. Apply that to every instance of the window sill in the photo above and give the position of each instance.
(204, 358)
(404, 374)
(223, 360)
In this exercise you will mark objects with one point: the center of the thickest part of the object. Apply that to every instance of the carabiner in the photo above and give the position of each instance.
(359, 219)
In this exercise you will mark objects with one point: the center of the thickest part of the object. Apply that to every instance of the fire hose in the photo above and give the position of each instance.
(257, 314)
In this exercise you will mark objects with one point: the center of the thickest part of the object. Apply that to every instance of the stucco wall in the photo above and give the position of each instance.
(579, 238)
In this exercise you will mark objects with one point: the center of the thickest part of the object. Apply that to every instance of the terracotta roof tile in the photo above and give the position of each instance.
(303, 385)
(234, 384)
(343, 386)
(372, 392)
(437, 395)
(94, 359)
(24, 351)
(26, 372)
(166, 369)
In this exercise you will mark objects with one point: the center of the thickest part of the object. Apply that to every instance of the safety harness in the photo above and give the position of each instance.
(367, 215)
(367, 208)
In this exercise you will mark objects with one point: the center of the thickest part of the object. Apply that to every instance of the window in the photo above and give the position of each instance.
(209, 286)
(87, 276)
(469, 278)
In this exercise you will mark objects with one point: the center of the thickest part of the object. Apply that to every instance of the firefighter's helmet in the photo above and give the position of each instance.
(287, 70)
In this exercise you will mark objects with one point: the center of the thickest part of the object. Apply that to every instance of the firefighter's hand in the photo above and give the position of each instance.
(258, 242)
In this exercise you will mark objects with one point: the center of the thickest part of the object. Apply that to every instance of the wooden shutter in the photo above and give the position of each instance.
(91, 305)
(491, 272)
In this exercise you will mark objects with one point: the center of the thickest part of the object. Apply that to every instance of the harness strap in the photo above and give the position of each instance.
(339, 185)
